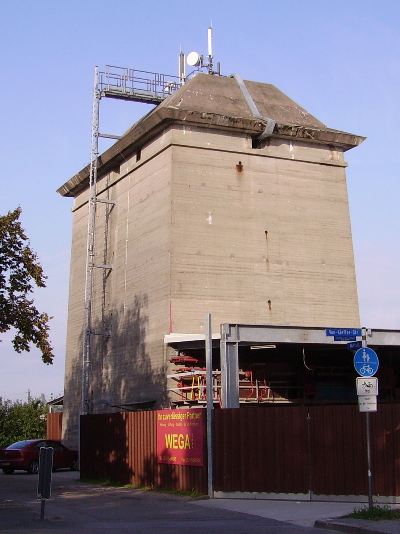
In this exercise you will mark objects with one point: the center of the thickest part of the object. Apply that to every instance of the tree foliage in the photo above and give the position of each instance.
(22, 420)
(19, 271)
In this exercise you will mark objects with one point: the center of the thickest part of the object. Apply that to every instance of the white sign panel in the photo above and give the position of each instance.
(367, 403)
(367, 386)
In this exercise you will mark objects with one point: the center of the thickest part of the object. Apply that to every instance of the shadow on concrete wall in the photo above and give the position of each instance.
(122, 376)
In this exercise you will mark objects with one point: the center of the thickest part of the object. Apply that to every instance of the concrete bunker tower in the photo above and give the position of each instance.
(204, 213)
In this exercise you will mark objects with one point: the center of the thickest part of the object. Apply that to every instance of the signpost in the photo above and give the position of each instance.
(366, 363)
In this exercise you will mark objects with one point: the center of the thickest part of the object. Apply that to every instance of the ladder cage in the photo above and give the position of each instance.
(126, 84)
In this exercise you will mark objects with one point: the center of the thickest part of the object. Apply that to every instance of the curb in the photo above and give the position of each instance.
(349, 528)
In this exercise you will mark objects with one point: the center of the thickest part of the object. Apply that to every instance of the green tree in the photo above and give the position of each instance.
(22, 420)
(19, 271)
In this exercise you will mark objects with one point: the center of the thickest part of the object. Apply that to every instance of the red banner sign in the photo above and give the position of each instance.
(180, 437)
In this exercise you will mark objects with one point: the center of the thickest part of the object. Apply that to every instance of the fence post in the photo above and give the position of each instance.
(210, 402)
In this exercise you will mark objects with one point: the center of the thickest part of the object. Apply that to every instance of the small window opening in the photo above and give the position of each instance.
(138, 154)
(256, 143)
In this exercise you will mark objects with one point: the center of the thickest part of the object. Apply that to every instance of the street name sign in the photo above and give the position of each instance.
(367, 386)
(366, 362)
(355, 345)
(367, 403)
(343, 334)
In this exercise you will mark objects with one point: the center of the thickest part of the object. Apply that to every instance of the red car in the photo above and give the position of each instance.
(24, 455)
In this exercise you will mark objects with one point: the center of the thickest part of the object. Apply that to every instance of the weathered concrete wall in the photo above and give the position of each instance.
(72, 377)
(301, 272)
(266, 241)
(130, 302)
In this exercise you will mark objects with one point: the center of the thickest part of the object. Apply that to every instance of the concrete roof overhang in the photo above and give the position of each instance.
(216, 102)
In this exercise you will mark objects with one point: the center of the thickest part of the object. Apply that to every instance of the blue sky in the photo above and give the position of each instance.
(340, 61)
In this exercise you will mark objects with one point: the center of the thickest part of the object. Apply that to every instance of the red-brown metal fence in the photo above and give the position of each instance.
(318, 450)
(261, 449)
(54, 425)
(121, 447)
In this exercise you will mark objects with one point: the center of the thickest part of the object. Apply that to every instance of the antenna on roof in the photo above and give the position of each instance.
(210, 54)
(181, 67)
(194, 59)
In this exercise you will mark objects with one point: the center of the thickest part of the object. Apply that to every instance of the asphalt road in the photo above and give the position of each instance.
(78, 507)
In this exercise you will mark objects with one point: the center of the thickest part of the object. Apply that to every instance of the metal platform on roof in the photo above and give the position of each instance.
(136, 85)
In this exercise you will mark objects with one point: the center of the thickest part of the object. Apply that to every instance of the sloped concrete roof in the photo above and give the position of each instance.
(222, 95)
(218, 102)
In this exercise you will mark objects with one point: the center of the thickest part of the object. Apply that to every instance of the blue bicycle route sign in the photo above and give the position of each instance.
(366, 361)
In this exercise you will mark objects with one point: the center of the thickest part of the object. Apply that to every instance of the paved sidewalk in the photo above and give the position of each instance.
(303, 513)
(360, 526)
(88, 508)
(78, 507)
(323, 515)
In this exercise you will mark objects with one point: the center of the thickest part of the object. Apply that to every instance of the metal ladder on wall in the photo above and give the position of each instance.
(123, 84)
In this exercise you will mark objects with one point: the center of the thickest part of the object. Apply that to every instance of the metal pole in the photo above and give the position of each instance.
(368, 431)
(210, 402)
(42, 503)
(367, 421)
(210, 51)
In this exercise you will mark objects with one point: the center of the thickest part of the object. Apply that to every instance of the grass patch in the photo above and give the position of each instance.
(112, 484)
(105, 482)
(181, 493)
(377, 513)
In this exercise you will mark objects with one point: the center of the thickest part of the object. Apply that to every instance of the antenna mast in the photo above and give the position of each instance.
(210, 54)
(194, 59)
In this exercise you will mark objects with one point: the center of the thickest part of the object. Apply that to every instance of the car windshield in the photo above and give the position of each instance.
(20, 444)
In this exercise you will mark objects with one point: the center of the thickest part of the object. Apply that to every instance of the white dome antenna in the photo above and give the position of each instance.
(194, 59)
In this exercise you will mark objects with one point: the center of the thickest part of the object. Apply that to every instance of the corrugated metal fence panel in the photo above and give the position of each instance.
(142, 447)
(104, 448)
(293, 449)
(121, 447)
(337, 451)
(396, 445)
(277, 449)
(54, 425)
(261, 449)
(385, 428)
